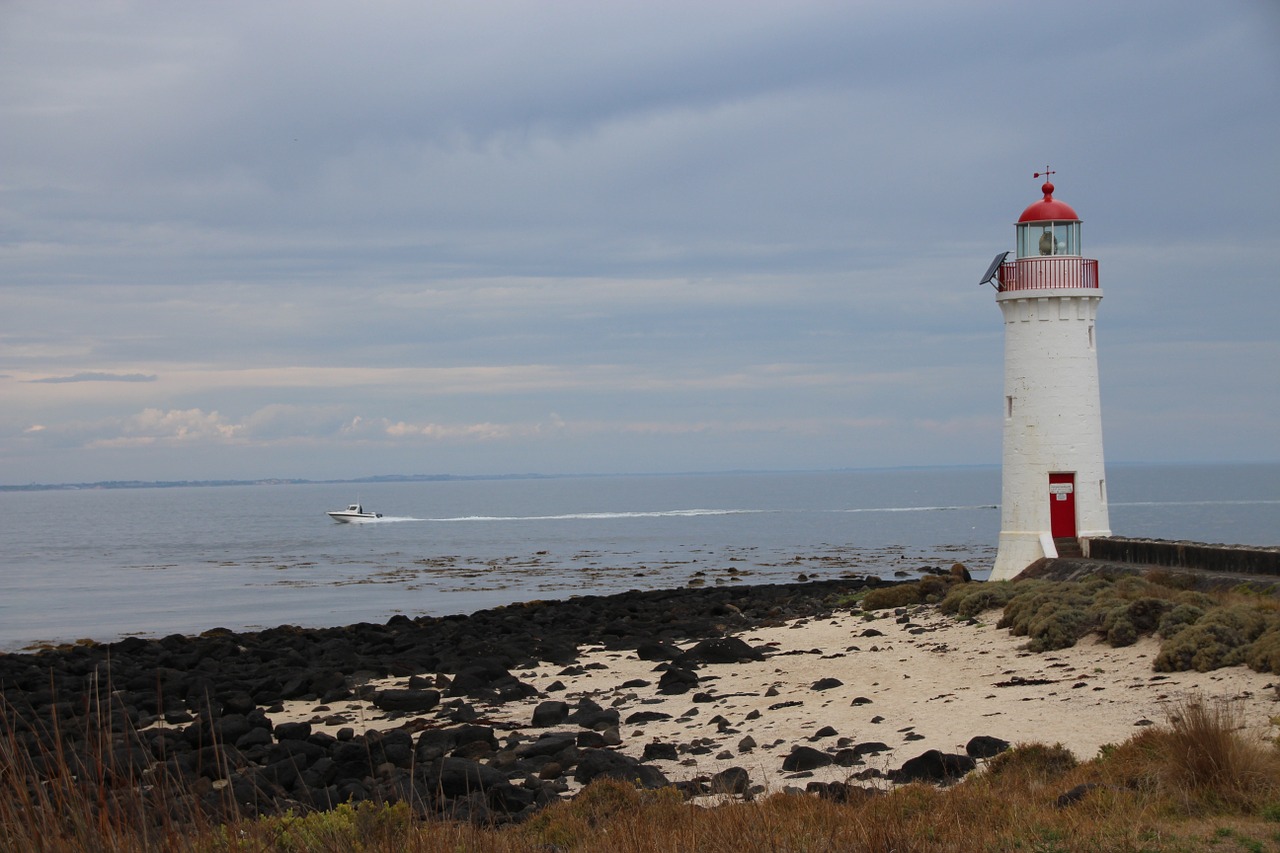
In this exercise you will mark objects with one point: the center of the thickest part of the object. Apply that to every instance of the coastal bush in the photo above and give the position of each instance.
(363, 826)
(1199, 631)
(1221, 637)
(970, 599)
(1122, 622)
(1034, 764)
(1181, 616)
(927, 591)
(1264, 653)
(1121, 633)
(885, 597)
(1201, 647)
(1054, 616)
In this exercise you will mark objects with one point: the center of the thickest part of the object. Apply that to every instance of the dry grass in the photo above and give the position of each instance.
(1198, 782)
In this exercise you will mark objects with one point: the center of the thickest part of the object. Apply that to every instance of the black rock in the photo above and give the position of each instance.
(734, 780)
(657, 651)
(640, 717)
(985, 746)
(591, 740)
(590, 715)
(550, 713)
(805, 758)
(456, 777)
(417, 701)
(549, 745)
(604, 763)
(721, 650)
(434, 743)
(665, 751)
(933, 766)
(840, 792)
(677, 680)
(826, 684)
(293, 731)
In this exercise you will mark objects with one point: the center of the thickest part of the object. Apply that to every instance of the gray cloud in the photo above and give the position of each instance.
(95, 377)
(513, 236)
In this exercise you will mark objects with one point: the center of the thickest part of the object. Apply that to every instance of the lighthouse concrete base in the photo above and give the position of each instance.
(1018, 549)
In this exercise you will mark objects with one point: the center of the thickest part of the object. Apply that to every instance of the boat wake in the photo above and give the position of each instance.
(668, 513)
(919, 508)
(597, 516)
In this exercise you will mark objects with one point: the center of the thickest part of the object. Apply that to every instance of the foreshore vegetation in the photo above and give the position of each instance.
(1199, 630)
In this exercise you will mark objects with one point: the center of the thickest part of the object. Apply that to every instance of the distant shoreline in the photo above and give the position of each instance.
(267, 481)
(425, 478)
(429, 478)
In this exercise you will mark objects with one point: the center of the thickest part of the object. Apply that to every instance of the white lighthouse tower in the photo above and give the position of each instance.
(1053, 486)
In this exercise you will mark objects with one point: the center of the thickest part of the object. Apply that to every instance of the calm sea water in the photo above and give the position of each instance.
(108, 563)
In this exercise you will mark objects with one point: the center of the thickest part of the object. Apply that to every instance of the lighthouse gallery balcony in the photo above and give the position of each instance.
(1051, 273)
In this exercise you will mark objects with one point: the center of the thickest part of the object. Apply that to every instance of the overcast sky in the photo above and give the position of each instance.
(320, 239)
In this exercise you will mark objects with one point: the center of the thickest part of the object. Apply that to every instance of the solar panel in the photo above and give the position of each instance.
(994, 268)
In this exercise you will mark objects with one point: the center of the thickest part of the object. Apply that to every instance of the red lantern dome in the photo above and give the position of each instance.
(1049, 209)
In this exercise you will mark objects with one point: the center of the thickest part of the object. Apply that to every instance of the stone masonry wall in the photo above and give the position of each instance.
(1239, 559)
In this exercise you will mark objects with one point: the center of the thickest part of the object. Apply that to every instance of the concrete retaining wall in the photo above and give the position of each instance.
(1238, 559)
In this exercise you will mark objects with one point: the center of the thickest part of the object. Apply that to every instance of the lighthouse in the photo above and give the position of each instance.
(1053, 485)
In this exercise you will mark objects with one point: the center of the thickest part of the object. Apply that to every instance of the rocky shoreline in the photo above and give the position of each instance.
(193, 714)
(725, 691)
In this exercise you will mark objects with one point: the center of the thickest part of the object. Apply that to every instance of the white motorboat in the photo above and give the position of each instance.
(353, 514)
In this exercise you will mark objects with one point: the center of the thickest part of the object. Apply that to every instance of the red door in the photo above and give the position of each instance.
(1062, 505)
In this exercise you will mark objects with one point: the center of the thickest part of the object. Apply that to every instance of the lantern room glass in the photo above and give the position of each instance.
(1040, 239)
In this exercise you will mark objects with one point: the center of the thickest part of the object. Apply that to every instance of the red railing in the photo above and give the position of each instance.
(1048, 273)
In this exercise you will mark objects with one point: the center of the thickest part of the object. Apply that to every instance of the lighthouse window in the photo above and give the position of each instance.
(1066, 238)
(1043, 239)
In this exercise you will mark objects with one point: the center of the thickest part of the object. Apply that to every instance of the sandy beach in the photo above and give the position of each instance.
(890, 689)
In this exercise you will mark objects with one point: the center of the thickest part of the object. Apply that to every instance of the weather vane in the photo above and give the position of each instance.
(1046, 173)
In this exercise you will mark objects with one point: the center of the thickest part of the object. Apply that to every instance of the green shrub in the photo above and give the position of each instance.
(970, 599)
(1181, 616)
(1264, 653)
(1122, 622)
(1195, 599)
(1053, 616)
(899, 595)
(1059, 628)
(1033, 761)
(1202, 647)
(929, 590)
(362, 826)
(1122, 633)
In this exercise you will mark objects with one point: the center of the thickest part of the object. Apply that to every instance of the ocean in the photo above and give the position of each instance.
(107, 563)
